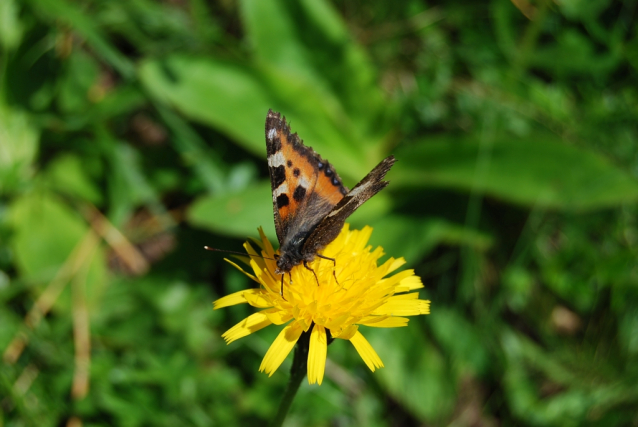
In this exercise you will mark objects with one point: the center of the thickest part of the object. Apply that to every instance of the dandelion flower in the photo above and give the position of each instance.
(351, 292)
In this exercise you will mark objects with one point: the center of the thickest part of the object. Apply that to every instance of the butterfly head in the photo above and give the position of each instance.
(290, 255)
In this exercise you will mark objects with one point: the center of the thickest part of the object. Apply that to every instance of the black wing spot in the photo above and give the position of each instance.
(296, 172)
(343, 191)
(335, 181)
(299, 194)
(289, 163)
(278, 176)
(319, 165)
(282, 201)
(329, 172)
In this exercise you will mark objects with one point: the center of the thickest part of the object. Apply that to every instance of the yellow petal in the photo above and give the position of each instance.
(280, 348)
(396, 279)
(317, 354)
(267, 246)
(257, 300)
(252, 323)
(398, 306)
(255, 241)
(276, 316)
(235, 298)
(367, 353)
(412, 282)
(241, 269)
(346, 334)
(392, 264)
(338, 321)
(384, 321)
(255, 258)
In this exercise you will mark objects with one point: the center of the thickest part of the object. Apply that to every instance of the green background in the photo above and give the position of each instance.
(132, 134)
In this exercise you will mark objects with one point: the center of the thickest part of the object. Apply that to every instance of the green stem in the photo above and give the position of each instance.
(297, 374)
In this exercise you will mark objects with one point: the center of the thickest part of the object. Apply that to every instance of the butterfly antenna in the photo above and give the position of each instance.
(208, 248)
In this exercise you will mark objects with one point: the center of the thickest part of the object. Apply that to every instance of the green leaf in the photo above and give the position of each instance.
(415, 371)
(81, 73)
(129, 187)
(462, 340)
(64, 12)
(541, 172)
(66, 175)
(412, 238)
(238, 214)
(45, 233)
(18, 148)
(235, 98)
(10, 26)
(227, 96)
(308, 40)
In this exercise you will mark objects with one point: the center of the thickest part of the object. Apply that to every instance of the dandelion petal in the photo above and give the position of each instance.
(234, 299)
(367, 353)
(252, 323)
(413, 282)
(317, 354)
(280, 348)
(256, 299)
(384, 321)
(247, 262)
(404, 305)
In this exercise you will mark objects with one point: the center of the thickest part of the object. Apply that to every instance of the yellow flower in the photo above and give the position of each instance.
(360, 295)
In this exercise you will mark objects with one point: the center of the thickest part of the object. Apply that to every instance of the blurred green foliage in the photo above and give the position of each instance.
(132, 134)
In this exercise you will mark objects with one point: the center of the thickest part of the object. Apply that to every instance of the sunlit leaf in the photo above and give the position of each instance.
(415, 372)
(46, 232)
(237, 214)
(235, 98)
(18, 148)
(10, 26)
(541, 172)
(413, 237)
(66, 174)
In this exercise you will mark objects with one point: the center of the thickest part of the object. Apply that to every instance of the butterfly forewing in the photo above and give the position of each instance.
(304, 186)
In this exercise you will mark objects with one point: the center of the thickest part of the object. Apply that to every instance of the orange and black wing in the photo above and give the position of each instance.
(305, 187)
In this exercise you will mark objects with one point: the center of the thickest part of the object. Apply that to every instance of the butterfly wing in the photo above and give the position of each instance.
(330, 226)
(305, 187)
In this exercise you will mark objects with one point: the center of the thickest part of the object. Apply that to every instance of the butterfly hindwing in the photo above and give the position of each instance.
(304, 186)
(330, 226)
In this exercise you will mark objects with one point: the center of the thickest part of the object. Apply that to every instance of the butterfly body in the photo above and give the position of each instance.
(310, 203)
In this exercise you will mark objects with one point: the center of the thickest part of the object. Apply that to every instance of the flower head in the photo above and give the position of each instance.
(349, 292)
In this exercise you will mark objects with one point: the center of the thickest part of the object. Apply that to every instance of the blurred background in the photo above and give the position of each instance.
(132, 134)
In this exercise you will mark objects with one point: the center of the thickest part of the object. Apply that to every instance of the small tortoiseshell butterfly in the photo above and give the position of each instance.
(310, 203)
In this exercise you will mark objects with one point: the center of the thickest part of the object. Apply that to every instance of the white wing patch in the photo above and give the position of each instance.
(303, 182)
(282, 189)
(276, 159)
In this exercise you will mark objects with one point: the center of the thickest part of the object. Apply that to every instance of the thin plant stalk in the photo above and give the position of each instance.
(297, 374)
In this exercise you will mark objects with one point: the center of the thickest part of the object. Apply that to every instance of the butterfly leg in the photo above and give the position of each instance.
(334, 269)
(305, 264)
(281, 290)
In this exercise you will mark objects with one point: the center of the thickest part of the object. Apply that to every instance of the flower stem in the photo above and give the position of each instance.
(297, 374)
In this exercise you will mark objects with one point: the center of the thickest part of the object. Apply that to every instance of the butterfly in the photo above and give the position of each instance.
(310, 203)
